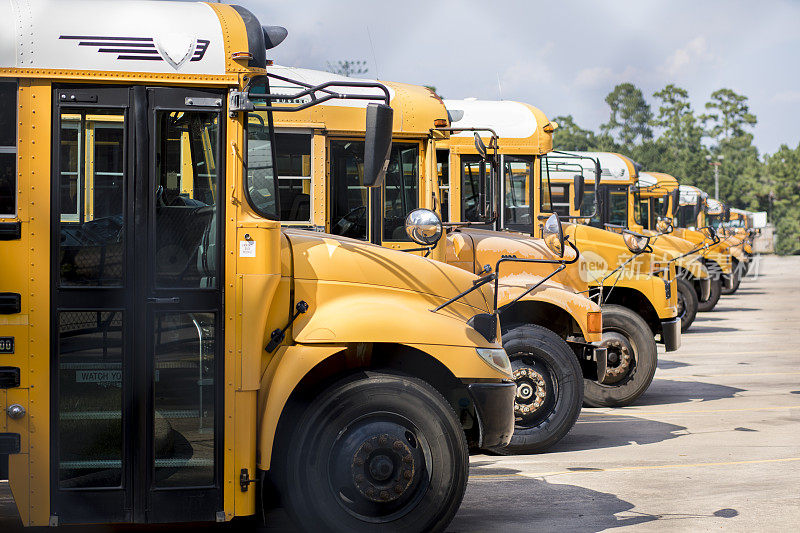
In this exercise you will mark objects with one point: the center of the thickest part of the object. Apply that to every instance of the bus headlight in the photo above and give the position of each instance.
(495, 358)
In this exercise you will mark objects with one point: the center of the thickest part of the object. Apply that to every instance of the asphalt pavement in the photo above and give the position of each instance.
(714, 444)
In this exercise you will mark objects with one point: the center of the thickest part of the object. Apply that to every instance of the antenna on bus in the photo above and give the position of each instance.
(499, 86)
(374, 57)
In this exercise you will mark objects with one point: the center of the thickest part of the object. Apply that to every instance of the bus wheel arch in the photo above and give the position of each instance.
(545, 314)
(636, 302)
(333, 363)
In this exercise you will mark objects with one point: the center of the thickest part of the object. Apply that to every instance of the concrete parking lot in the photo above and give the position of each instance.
(713, 444)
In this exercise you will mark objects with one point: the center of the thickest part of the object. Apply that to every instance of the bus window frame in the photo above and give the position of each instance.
(373, 231)
(276, 216)
(441, 166)
(609, 191)
(14, 150)
(309, 178)
(531, 161)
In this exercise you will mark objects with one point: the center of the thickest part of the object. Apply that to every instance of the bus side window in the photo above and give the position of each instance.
(443, 170)
(8, 149)
(559, 196)
(293, 154)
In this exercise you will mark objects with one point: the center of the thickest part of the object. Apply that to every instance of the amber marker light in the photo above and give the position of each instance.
(236, 56)
(594, 322)
(440, 123)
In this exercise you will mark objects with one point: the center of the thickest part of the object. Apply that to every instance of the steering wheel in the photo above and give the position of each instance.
(344, 224)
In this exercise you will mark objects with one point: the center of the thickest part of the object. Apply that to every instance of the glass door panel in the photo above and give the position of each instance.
(185, 348)
(90, 399)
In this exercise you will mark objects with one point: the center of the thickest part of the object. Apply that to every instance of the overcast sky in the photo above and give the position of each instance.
(561, 56)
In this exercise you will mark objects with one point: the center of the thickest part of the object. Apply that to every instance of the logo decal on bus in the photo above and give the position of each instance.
(174, 49)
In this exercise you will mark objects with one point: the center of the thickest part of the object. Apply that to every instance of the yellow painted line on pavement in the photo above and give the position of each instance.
(626, 412)
(743, 374)
(630, 468)
(759, 352)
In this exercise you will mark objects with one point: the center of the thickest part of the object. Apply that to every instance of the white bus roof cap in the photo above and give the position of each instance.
(123, 35)
(508, 119)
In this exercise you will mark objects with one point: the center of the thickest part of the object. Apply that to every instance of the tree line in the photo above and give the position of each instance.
(671, 137)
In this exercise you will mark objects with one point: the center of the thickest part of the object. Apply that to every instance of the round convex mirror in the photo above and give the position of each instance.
(424, 227)
(553, 235)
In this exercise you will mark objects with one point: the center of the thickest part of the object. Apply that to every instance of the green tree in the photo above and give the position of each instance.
(782, 198)
(727, 123)
(348, 67)
(680, 148)
(570, 136)
(630, 115)
(728, 116)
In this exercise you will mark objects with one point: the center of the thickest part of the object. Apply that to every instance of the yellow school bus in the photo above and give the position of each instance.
(651, 204)
(169, 352)
(658, 192)
(618, 207)
(636, 305)
(318, 156)
(687, 213)
(718, 215)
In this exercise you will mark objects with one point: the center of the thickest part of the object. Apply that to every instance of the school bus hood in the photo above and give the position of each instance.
(486, 247)
(602, 251)
(330, 258)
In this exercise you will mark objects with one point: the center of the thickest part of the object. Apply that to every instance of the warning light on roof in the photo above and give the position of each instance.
(550, 127)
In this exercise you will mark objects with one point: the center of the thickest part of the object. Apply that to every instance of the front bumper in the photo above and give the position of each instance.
(671, 334)
(705, 289)
(494, 407)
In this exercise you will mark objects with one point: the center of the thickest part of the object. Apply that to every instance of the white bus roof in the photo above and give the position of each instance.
(508, 119)
(690, 193)
(647, 180)
(110, 36)
(318, 77)
(613, 167)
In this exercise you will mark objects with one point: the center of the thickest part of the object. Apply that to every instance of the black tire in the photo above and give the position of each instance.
(324, 488)
(544, 363)
(687, 303)
(736, 276)
(627, 335)
(713, 298)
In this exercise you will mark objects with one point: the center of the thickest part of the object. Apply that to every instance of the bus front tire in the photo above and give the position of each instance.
(716, 291)
(687, 303)
(736, 277)
(549, 388)
(375, 452)
(632, 356)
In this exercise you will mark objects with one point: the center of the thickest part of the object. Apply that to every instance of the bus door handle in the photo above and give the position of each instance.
(173, 300)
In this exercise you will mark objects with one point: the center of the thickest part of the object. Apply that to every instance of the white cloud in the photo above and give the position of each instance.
(594, 76)
(787, 97)
(695, 51)
(604, 76)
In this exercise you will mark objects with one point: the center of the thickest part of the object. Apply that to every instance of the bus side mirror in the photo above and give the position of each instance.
(479, 146)
(665, 207)
(676, 200)
(578, 190)
(377, 143)
(726, 214)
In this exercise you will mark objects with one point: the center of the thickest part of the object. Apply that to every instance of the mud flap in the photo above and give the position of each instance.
(705, 289)
(601, 357)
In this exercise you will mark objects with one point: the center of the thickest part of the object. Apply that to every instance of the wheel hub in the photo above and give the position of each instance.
(531, 391)
(619, 358)
(383, 468)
